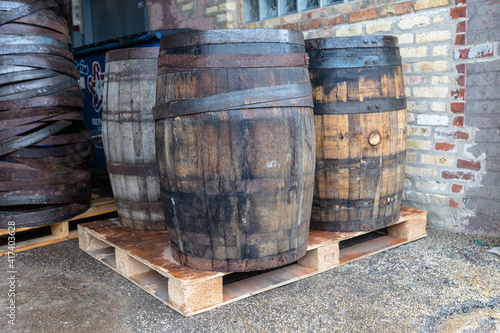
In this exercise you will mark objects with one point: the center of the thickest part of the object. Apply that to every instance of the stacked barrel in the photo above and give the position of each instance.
(45, 151)
(239, 152)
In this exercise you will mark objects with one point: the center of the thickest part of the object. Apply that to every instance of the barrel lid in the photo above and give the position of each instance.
(351, 42)
(231, 36)
(132, 53)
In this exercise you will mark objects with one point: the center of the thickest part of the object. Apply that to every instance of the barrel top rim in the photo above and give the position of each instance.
(132, 53)
(231, 36)
(351, 42)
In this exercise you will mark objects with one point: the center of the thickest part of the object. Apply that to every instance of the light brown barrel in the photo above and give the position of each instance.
(128, 136)
(235, 147)
(360, 121)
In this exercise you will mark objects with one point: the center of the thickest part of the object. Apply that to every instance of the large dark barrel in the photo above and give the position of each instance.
(360, 121)
(128, 136)
(235, 147)
(45, 151)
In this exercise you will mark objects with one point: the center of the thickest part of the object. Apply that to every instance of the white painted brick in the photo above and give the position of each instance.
(405, 38)
(432, 119)
(433, 36)
(419, 144)
(441, 50)
(379, 26)
(430, 92)
(422, 172)
(353, 30)
(413, 52)
(437, 160)
(414, 21)
(424, 131)
(438, 79)
(438, 106)
(431, 185)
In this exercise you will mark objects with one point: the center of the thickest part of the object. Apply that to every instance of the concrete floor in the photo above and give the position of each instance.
(446, 282)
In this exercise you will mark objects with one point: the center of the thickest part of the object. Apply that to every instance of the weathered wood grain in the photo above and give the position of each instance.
(360, 122)
(128, 137)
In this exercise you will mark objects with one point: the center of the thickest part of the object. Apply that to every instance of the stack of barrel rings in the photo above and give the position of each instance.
(45, 151)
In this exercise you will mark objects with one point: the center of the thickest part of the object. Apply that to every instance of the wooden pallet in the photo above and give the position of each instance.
(59, 231)
(145, 258)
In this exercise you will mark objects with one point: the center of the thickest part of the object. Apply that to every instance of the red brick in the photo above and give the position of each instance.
(309, 24)
(453, 203)
(461, 135)
(461, 80)
(461, 26)
(362, 15)
(460, 39)
(460, 68)
(458, 93)
(471, 165)
(458, 122)
(289, 26)
(458, 12)
(332, 21)
(461, 2)
(406, 67)
(458, 175)
(444, 146)
(458, 107)
(456, 188)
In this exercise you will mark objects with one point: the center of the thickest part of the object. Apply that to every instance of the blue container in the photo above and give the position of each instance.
(90, 62)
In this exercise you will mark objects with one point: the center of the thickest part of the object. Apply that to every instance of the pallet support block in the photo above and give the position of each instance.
(60, 229)
(128, 266)
(322, 258)
(413, 228)
(189, 297)
(89, 243)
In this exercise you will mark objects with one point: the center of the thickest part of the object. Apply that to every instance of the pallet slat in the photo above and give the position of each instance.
(59, 230)
(149, 263)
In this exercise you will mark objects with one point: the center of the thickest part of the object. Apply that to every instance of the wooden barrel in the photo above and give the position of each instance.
(360, 121)
(128, 136)
(235, 147)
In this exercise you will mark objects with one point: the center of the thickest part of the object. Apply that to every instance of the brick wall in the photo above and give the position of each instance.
(193, 14)
(451, 63)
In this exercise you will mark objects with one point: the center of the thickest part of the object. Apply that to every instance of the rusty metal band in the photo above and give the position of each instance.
(26, 10)
(319, 61)
(61, 89)
(41, 216)
(354, 203)
(53, 62)
(26, 75)
(71, 193)
(351, 42)
(145, 170)
(243, 265)
(37, 87)
(37, 152)
(30, 30)
(9, 40)
(242, 99)
(236, 36)
(136, 53)
(46, 18)
(365, 163)
(15, 131)
(9, 119)
(374, 105)
(40, 102)
(56, 180)
(82, 136)
(155, 206)
(32, 138)
(35, 49)
(183, 61)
